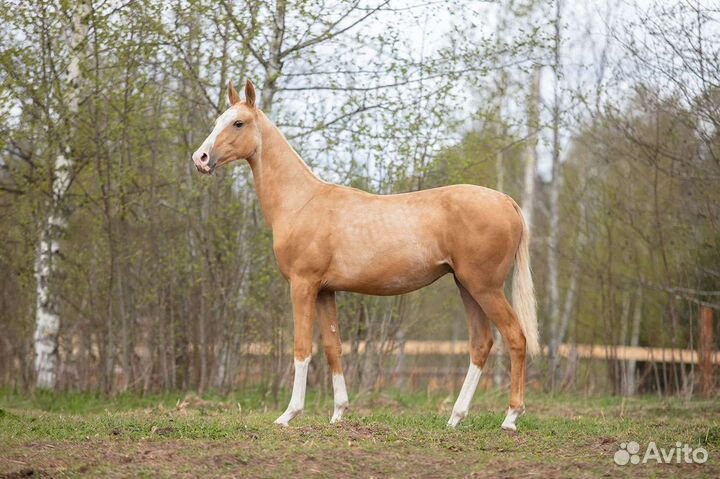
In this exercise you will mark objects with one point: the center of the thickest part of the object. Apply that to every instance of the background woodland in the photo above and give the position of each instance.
(123, 269)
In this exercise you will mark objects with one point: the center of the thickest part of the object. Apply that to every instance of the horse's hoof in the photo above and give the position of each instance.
(510, 418)
(509, 427)
(455, 419)
(287, 416)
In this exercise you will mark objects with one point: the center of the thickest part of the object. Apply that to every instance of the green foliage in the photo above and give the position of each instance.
(165, 276)
(632, 169)
(157, 264)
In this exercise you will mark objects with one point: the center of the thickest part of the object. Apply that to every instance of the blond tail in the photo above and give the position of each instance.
(523, 291)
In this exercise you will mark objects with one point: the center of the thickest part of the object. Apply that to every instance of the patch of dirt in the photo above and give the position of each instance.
(369, 402)
(359, 432)
(605, 444)
(193, 402)
(355, 451)
(230, 460)
(162, 431)
(27, 472)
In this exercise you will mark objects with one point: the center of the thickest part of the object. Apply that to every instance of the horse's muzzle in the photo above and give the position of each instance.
(203, 162)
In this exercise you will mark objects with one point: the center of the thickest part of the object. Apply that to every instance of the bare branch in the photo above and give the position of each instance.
(329, 33)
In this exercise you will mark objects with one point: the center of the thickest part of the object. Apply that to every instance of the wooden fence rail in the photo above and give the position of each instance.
(588, 351)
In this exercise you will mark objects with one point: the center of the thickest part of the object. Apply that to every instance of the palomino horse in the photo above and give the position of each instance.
(329, 238)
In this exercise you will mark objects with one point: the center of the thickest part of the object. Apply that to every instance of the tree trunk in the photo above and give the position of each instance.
(557, 332)
(499, 359)
(630, 383)
(47, 317)
(504, 11)
(528, 197)
(274, 66)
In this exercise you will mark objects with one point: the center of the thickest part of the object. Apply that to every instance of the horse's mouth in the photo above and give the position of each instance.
(209, 169)
(205, 170)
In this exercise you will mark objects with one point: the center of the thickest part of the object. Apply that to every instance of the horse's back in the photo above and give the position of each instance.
(391, 244)
(449, 207)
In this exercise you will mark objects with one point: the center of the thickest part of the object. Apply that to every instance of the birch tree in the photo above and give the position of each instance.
(162, 277)
(555, 187)
(47, 316)
(501, 87)
(533, 125)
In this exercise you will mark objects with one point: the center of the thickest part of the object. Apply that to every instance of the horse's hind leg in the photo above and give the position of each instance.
(327, 317)
(497, 308)
(480, 344)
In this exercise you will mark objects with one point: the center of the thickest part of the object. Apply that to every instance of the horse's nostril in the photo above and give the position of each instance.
(203, 157)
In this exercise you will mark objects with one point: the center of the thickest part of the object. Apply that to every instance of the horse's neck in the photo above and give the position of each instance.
(283, 181)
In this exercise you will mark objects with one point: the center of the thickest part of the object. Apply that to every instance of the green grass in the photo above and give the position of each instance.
(384, 435)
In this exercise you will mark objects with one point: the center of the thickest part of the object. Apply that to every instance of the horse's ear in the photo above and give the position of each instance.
(250, 94)
(233, 96)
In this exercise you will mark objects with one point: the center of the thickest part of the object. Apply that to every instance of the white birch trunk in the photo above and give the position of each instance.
(624, 320)
(273, 70)
(630, 382)
(528, 197)
(504, 11)
(499, 363)
(47, 318)
(556, 332)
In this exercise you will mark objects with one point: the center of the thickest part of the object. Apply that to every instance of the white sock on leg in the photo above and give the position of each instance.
(297, 400)
(462, 405)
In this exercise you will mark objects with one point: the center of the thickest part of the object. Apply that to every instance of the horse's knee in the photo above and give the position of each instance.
(480, 349)
(517, 343)
(333, 353)
(302, 351)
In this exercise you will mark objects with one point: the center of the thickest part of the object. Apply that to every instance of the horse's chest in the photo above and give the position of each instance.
(282, 257)
(300, 258)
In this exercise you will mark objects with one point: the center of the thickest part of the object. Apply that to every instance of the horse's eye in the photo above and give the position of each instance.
(238, 124)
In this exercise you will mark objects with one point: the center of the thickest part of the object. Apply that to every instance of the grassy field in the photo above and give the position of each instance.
(384, 435)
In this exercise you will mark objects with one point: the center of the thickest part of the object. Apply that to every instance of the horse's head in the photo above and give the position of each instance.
(235, 136)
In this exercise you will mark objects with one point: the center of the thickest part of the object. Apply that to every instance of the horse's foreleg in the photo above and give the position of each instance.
(330, 332)
(303, 295)
(480, 344)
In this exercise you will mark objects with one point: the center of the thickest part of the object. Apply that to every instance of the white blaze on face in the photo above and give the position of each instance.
(222, 122)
